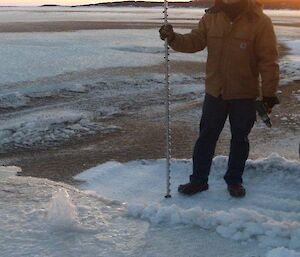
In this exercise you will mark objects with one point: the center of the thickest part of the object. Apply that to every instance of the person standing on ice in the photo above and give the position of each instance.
(242, 47)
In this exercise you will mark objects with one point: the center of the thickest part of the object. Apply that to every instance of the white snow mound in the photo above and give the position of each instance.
(268, 214)
(282, 252)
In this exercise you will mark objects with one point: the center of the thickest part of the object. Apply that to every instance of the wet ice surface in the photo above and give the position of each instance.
(122, 212)
(42, 218)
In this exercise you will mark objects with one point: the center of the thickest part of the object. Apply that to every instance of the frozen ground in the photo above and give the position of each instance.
(120, 211)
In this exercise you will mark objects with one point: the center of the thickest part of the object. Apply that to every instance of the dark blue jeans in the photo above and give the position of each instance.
(242, 115)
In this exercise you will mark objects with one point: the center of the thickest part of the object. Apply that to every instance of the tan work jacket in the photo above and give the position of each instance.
(239, 53)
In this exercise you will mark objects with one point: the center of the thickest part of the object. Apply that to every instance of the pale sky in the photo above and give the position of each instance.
(41, 2)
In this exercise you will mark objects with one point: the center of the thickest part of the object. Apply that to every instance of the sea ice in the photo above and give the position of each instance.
(123, 212)
(267, 215)
(26, 56)
(39, 217)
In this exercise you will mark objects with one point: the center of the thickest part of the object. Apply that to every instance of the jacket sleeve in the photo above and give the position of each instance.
(267, 58)
(192, 42)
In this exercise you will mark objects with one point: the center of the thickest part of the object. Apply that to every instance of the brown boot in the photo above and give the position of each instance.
(236, 190)
(192, 188)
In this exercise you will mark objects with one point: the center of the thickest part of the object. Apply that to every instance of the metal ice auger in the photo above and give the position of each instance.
(167, 120)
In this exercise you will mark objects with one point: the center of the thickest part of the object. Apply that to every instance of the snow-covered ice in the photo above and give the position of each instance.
(282, 252)
(59, 116)
(39, 217)
(44, 128)
(120, 210)
(290, 65)
(268, 215)
(13, 100)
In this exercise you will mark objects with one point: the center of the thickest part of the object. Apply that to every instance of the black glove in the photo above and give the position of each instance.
(166, 31)
(271, 101)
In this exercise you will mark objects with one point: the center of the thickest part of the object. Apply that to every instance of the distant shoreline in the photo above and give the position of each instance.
(141, 4)
(279, 5)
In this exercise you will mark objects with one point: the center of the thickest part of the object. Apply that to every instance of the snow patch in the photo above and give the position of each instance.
(108, 112)
(13, 100)
(77, 88)
(240, 224)
(268, 214)
(46, 128)
(290, 64)
(9, 171)
(282, 252)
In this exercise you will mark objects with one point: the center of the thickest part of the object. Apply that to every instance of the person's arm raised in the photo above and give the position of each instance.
(191, 42)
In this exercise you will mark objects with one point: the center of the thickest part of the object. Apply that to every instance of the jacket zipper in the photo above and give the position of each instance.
(227, 59)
